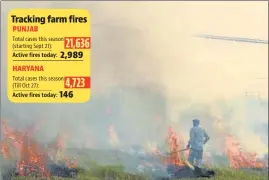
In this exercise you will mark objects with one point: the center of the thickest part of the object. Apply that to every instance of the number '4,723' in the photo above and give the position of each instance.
(66, 94)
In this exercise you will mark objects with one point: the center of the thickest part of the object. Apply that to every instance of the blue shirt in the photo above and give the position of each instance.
(198, 137)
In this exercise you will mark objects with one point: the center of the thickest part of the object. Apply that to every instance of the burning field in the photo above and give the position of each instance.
(24, 157)
(151, 77)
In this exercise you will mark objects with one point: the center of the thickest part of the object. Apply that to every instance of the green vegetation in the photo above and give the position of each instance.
(109, 168)
(117, 173)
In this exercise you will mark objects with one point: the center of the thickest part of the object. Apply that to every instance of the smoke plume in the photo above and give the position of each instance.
(149, 72)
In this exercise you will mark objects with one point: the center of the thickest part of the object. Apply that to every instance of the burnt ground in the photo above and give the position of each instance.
(152, 167)
(136, 163)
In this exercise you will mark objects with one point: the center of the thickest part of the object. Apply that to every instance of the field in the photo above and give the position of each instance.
(109, 168)
(113, 173)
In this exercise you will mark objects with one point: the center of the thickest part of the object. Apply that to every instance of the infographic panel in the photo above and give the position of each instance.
(49, 56)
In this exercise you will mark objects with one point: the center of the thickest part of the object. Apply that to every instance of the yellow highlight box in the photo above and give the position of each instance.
(49, 56)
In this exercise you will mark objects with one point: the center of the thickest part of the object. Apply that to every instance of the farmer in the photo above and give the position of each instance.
(198, 137)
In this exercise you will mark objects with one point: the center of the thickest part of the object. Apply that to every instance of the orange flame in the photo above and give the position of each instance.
(174, 157)
(238, 158)
(30, 156)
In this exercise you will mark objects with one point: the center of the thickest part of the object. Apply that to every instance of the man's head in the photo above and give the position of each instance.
(195, 122)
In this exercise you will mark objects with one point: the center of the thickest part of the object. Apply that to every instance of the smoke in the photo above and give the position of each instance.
(146, 63)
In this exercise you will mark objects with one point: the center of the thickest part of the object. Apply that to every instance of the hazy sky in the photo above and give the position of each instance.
(204, 69)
